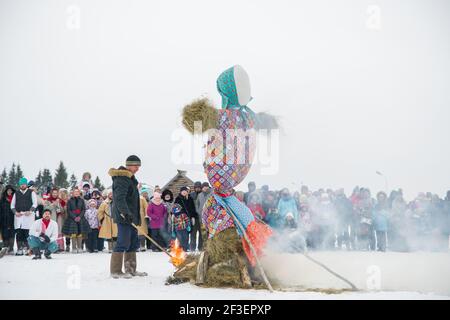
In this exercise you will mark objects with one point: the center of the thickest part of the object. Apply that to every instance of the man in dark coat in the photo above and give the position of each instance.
(125, 212)
(185, 200)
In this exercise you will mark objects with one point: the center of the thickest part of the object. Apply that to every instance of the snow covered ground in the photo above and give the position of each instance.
(86, 276)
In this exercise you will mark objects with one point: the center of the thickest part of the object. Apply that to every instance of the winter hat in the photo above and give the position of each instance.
(133, 161)
(87, 185)
(167, 192)
(205, 184)
(157, 195)
(92, 201)
(30, 183)
(144, 189)
(197, 184)
(176, 209)
(9, 187)
(22, 181)
(184, 188)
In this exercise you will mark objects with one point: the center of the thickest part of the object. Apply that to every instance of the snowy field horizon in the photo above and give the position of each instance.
(415, 276)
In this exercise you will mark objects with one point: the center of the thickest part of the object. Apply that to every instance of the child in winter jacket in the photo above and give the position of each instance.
(157, 213)
(92, 218)
(180, 226)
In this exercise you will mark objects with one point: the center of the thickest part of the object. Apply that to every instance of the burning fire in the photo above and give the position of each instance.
(177, 253)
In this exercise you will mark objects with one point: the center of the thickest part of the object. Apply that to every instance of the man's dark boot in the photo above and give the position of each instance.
(116, 266)
(47, 254)
(3, 252)
(37, 253)
(130, 265)
(11, 246)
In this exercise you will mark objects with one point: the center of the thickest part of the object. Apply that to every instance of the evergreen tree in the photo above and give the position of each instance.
(98, 184)
(19, 172)
(12, 176)
(46, 179)
(73, 181)
(4, 176)
(60, 180)
(38, 180)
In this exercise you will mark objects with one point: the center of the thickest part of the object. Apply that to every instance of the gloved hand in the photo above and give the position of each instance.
(128, 219)
(44, 238)
(77, 219)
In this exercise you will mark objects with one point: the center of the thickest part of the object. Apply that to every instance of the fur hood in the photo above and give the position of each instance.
(8, 186)
(120, 172)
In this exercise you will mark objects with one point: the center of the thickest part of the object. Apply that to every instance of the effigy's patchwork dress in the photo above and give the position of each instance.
(229, 154)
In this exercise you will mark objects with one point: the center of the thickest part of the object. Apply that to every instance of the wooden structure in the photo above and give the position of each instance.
(178, 181)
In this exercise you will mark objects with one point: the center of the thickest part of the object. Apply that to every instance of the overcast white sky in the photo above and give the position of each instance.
(355, 91)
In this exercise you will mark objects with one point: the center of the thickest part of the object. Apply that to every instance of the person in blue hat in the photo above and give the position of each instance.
(23, 205)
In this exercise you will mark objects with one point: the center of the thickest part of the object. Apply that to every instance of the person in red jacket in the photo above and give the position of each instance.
(255, 207)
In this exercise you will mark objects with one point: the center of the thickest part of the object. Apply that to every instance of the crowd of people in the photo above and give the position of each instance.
(330, 220)
(80, 220)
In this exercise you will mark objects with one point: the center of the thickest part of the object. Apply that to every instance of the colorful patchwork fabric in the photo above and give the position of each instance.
(215, 218)
(229, 151)
(180, 222)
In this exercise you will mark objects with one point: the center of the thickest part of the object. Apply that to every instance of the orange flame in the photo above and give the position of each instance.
(177, 253)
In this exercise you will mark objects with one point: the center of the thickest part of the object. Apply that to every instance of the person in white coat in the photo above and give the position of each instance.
(43, 236)
(23, 205)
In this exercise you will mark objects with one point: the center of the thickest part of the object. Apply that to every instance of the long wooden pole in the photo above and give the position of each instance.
(148, 237)
(354, 288)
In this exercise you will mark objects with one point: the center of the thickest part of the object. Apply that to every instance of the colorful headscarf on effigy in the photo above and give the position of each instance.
(229, 154)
